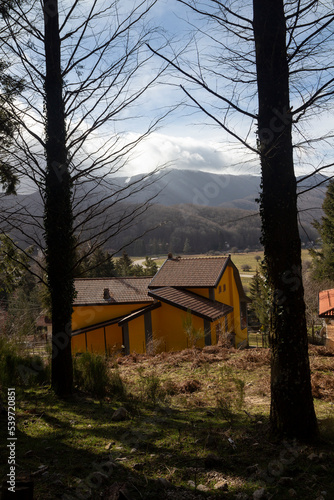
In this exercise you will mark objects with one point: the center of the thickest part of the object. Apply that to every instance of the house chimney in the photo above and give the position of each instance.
(170, 256)
(106, 294)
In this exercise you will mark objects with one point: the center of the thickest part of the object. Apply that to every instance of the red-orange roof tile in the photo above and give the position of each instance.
(326, 303)
(190, 272)
(118, 290)
(183, 299)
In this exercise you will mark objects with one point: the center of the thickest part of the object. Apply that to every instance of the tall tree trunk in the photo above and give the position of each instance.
(58, 210)
(292, 412)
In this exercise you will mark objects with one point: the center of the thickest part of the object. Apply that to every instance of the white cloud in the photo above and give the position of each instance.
(183, 152)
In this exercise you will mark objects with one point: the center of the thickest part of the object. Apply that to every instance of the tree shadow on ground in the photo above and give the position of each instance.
(72, 448)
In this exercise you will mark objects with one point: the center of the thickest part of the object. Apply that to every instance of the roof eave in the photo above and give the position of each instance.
(195, 313)
(327, 314)
(86, 304)
(137, 314)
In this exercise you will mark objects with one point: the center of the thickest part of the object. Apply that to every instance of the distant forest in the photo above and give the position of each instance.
(198, 229)
(198, 212)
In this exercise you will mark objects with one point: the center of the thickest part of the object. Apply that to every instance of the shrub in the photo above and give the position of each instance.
(224, 406)
(116, 384)
(153, 388)
(230, 398)
(17, 369)
(150, 386)
(90, 372)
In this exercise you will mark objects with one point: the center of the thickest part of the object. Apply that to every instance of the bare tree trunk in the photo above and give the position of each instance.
(292, 412)
(58, 216)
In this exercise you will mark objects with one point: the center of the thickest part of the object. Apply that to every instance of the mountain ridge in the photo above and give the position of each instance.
(213, 211)
(195, 187)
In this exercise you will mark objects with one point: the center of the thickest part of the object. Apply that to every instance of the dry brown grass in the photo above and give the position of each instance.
(319, 350)
(192, 378)
(323, 386)
(247, 359)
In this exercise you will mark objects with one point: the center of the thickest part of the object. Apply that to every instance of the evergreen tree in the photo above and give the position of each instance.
(124, 265)
(98, 265)
(136, 270)
(260, 295)
(150, 267)
(323, 260)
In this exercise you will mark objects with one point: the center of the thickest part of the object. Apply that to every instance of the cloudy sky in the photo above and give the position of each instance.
(188, 139)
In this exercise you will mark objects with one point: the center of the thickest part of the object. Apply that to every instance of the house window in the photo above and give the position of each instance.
(220, 289)
(224, 287)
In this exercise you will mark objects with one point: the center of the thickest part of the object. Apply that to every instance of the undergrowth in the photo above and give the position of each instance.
(91, 373)
(19, 369)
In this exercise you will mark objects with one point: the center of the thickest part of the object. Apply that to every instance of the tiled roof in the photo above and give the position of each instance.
(183, 299)
(190, 272)
(326, 303)
(111, 291)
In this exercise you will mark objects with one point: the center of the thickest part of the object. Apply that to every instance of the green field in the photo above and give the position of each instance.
(239, 259)
(249, 259)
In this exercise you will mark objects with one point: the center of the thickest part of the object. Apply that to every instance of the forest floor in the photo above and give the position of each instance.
(194, 425)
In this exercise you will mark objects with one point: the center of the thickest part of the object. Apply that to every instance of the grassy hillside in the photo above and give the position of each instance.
(196, 427)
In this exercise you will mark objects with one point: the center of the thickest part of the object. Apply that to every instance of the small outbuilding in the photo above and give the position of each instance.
(326, 311)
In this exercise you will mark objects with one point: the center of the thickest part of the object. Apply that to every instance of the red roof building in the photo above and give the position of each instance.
(326, 303)
(326, 311)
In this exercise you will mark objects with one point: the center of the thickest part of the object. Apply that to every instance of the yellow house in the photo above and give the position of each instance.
(193, 300)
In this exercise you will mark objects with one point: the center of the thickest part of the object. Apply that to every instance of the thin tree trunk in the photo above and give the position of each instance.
(292, 412)
(58, 211)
